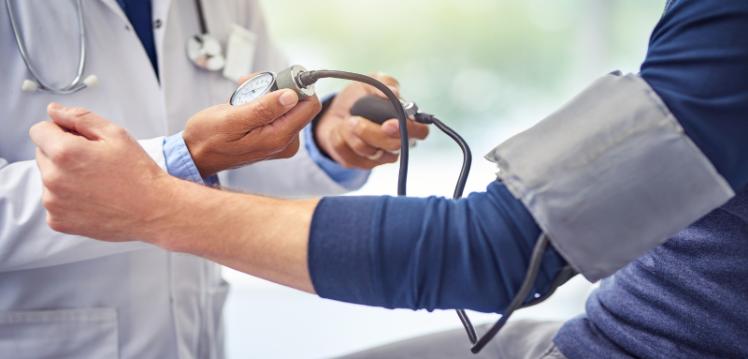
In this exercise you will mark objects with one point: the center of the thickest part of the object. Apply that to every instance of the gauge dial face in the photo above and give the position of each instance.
(253, 89)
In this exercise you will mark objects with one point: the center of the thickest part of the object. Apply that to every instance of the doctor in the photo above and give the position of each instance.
(66, 296)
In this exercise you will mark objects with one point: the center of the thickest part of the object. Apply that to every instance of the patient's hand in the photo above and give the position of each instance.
(98, 181)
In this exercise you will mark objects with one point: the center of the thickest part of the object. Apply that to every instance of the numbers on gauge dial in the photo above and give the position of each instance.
(253, 89)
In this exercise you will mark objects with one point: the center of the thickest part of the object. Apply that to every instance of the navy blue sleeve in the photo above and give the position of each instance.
(426, 253)
(698, 63)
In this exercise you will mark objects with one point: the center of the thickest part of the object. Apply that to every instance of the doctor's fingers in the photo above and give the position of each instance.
(344, 154)
(416, 130)
(295, 120)
(278, 134)
(284, 127)
(54, 142)
(386, 136)
(264, 110)
(366, 147)
(388, 80)
(53, 179)
(47, 168)
(290, 150)
(81, 121)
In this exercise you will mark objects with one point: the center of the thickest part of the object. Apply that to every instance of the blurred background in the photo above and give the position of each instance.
(489, 68)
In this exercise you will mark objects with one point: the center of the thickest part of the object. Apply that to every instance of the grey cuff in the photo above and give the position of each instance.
(610, 175)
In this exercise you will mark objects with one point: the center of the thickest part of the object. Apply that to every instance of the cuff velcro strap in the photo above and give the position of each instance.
(610, 176)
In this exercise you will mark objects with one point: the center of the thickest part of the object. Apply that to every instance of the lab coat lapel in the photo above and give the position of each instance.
(114, 7)
(161, 9)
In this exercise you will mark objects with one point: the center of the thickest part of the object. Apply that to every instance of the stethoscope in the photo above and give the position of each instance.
(204, 50)
(38, 83)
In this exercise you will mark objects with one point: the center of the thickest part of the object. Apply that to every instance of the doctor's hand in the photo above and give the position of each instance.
(224, 137)
(98, 181)
(355, 142)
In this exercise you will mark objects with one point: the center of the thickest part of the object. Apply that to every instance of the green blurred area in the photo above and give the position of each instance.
(479, 61)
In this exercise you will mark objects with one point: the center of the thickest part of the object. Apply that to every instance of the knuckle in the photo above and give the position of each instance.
(367, 165)
(117, 131)
(291, 137)
(387, 79)
(48, 200)
(291, 150)
(263, 111)
(120, 131)
(61, 155)
(337, 142)
(56, 223)
(422, 131)
(78, 111)
(34, 129)
(360, 147)
(278, 142)
(66, 154)
(419, 131)
(360, 128)
(52, 180)
(391, 146)
(345, 162)
(338, 147)
(316, 105)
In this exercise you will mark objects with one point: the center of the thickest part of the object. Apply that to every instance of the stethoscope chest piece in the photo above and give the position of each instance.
(206, 52)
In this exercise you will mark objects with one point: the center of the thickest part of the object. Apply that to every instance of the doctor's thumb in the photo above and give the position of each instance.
(269, 107)
(78, 120)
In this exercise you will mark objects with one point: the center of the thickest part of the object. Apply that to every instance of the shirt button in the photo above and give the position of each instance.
(157, 24)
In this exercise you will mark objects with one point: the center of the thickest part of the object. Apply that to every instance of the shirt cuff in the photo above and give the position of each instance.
(179, 161)
(348, 178)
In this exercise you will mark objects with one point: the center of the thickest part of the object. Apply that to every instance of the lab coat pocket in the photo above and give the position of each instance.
(59, 334)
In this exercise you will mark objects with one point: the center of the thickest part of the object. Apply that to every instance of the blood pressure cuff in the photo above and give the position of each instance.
(610, 176)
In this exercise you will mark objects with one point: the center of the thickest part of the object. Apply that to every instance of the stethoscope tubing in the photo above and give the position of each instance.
(201, 17)
(77, 83)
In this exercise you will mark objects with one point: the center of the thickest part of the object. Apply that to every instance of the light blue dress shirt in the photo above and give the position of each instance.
(179, 163)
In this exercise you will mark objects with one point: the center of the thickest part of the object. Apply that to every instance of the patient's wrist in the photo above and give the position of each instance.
(165, 217)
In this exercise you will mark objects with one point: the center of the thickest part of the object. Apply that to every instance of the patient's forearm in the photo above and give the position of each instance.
(392, 252)
(256, 235)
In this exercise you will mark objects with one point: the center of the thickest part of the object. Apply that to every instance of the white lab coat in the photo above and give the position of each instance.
(63, 296)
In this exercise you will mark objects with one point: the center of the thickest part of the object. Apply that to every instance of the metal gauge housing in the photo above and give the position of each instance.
(254, 88)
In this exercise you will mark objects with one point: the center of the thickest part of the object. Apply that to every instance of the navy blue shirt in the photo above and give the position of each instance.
(698, 63)
(686, 298)
(689, 297)
(139, 13)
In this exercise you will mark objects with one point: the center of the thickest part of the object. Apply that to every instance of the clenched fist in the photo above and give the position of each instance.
(98, 181)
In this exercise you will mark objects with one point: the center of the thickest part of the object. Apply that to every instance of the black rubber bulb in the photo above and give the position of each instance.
(374, 108)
